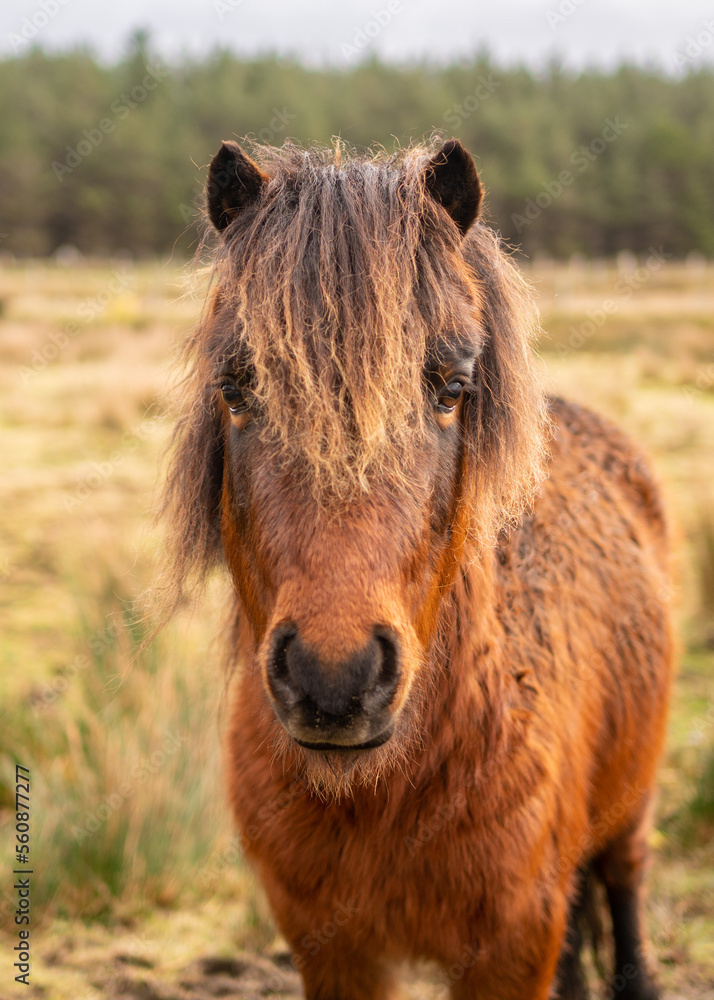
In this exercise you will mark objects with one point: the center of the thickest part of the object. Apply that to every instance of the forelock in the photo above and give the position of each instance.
(333, 288)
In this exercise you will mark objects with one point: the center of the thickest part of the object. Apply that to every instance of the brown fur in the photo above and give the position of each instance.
(535, 663)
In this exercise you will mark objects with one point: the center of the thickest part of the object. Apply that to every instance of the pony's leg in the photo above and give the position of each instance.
(335, 973)
(521, 968)
(570, 979)
(622, 867)
(334, 967)
(505, 981)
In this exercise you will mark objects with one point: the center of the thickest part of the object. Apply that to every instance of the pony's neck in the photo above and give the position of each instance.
(467, 708)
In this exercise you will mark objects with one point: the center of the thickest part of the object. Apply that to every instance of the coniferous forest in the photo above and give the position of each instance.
(111, 158)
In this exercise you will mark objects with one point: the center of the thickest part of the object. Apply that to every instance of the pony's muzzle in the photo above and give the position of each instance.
(332, 706)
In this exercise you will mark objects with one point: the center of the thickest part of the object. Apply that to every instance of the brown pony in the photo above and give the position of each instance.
(451, 600)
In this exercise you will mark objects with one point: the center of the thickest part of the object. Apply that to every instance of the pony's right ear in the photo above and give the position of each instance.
(234, 181)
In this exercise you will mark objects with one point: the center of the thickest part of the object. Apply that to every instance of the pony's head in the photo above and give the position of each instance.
(360, 407)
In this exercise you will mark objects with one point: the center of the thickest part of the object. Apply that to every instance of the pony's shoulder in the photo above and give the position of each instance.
(590, 455)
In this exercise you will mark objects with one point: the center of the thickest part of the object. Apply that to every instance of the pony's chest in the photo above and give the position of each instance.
(396, 867)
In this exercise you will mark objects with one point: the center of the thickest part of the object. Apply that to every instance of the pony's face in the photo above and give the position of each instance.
(343, 599)
(351, 368)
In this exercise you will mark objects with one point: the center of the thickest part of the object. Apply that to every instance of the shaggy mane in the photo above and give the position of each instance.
(332, 288)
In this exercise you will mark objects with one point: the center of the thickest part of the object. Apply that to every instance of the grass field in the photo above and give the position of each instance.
(139, 891)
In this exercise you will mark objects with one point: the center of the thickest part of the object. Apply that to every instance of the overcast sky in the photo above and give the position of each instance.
(580, 32)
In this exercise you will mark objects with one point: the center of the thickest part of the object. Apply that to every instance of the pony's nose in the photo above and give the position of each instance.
(332, 694)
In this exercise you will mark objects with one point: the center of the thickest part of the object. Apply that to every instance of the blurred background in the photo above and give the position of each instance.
(592, 124)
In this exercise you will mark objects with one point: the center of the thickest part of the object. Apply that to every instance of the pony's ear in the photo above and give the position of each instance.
(234, 181)
(452, 179)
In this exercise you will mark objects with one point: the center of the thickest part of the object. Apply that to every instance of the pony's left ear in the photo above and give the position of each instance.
(452, 179)
(234, 182)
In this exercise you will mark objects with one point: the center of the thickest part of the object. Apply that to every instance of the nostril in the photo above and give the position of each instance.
(278, 665)
(389, 669)
(386, 678)
(281, 642)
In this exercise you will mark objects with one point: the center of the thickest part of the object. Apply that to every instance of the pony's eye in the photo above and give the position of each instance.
(449, 396)
(234, 398)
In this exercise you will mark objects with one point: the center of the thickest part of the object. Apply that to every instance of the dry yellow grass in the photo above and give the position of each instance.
(83, 401)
